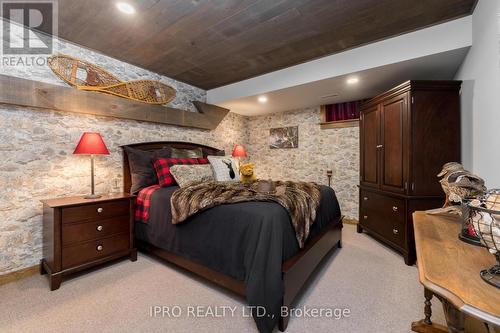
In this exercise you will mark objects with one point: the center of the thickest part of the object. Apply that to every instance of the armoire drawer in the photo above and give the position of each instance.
(384, 215)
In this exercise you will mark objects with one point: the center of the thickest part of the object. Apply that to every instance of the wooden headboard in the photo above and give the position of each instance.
(152, 146)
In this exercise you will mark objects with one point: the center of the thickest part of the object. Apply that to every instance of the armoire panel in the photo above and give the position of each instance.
(393, 133)
(369, 147)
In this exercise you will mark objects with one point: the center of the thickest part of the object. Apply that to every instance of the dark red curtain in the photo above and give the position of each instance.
(342, 111)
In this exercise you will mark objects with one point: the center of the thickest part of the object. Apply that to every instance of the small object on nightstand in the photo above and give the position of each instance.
(91, 144)
(329, 174)
(79, 233)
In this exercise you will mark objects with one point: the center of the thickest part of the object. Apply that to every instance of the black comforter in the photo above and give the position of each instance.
(247, 241)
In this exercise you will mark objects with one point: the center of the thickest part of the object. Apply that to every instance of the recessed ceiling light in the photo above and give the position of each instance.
(352, 80)
(330, 96)
(125, 7)
(262, 99)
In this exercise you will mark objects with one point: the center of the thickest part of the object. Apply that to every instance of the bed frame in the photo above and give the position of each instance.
(296, 270)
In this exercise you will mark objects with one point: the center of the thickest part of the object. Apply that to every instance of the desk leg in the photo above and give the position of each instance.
(454, 318)
(428, 306)
(425, 325)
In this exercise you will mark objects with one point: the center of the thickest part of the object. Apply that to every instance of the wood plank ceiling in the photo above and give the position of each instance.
(210, 43)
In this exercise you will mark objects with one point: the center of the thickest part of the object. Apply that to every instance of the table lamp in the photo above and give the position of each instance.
(91, 144)
(238, 152)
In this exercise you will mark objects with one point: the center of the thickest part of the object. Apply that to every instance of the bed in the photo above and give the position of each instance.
(248, 248)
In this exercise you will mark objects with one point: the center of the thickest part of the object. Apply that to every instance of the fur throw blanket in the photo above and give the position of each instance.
(300, 199)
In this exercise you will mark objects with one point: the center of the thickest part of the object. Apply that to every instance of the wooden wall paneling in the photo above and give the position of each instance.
(212, 43)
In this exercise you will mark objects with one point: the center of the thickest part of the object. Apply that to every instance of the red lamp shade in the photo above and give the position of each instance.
(239, 151)
(91, 144)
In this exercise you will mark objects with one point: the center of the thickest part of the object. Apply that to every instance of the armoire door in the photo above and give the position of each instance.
(394, 140)
(369, 139)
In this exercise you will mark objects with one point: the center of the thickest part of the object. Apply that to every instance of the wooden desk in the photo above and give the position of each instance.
(449, 269)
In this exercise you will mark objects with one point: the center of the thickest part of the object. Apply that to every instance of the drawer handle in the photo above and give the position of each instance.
(365, 198)
(379, 146)
(394, 208)
(365, 217)
(100, 210)
(99, 248)
(99, 228)
(395, 231)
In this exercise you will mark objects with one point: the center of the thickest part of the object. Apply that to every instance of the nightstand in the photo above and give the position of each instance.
(80, 233)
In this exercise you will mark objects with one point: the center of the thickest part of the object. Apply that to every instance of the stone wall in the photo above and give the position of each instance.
(36, 152)
(37, 163)
(337, 149)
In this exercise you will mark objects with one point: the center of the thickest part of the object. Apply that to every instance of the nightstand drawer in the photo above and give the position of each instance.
(95, 211)
(80, 232)
(84, 253)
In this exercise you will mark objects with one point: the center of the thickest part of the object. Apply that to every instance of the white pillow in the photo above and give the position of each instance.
(225, 168)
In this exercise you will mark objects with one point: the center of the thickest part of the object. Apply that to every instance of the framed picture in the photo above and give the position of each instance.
(284, 137)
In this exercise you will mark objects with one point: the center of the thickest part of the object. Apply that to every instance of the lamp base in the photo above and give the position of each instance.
(92, 196)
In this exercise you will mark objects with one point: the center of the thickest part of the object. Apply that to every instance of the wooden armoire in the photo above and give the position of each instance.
(406, 135)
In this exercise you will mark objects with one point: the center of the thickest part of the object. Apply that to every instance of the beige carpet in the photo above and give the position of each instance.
(382, 293)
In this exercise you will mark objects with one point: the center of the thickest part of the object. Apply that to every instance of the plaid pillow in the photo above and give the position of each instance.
(142, 172)
(162, 167)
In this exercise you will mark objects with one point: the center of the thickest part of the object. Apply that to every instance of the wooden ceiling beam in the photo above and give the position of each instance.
(44, 96)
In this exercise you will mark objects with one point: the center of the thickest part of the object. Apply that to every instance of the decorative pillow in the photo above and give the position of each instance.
(186, 153)
(142, 172)
(225, 168)
(163, 165)
(186, 174)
